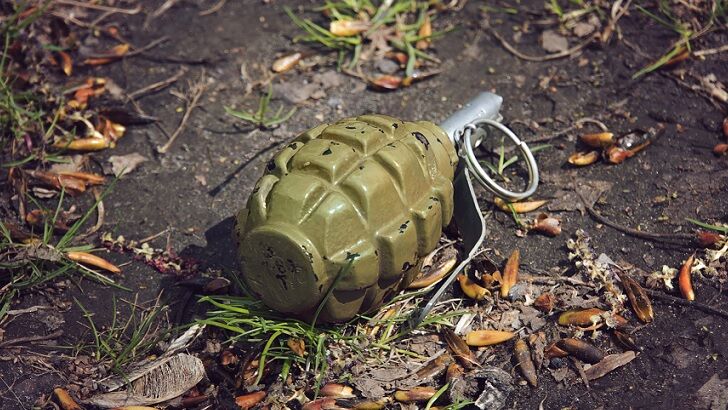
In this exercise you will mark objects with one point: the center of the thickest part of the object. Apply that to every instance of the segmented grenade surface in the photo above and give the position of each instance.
(373, 189)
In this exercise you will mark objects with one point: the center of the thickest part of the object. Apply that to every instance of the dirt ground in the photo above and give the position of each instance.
(197, 187)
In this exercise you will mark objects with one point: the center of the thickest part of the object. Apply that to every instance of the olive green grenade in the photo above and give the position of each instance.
(373, 191)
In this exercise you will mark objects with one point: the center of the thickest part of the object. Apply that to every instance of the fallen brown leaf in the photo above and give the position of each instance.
(510, 273)
(459, 348)
(608, 364)
(481, 338)
(637, 298)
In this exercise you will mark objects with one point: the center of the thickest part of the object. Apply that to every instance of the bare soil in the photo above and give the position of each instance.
(206, 177)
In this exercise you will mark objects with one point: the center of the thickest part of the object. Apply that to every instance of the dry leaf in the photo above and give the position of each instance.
(608, 364)
(124, 164)
(487, 337)
(637, 298)
(510, 273)
(158, 381)
(459, 348)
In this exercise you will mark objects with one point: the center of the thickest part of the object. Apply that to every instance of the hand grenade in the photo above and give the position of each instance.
(370, 193)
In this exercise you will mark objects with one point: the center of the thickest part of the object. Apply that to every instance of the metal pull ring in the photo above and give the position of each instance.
(482, 176)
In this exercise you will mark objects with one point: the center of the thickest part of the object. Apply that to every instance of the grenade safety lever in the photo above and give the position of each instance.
(464, 128)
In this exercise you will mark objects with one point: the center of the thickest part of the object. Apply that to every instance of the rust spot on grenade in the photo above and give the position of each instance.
(304, 220)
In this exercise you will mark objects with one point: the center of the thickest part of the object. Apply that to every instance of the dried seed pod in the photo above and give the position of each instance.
(581, 317)
(472, 289)
(87, 177)
(638, 298)
(424, 33)
(626, 341)
(459, 348)
(518, 207)
(435, 274)
(598, 140)
(297, 346)
(228, 358)
(609, 363)
(386, 82)
(492, 280)
(510, 273)
(337, 390)
(73, 186)
(84, 144)
(454, 371)
(581, 350)
(684, 281)
(321, 404)
(93, 260)
(347, 28)
(546, 225)
(286, 63)
(720, 149)
(65, 400)
(369, 404)
(545, 302)
(581, 159)
(487, 337)
(554, 351)
(417, 394)
(523, 359)
(707, 239)
(247, 401)
(617, 155)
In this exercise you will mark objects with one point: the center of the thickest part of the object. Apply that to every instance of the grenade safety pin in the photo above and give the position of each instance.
(462, 128)
(344, 214)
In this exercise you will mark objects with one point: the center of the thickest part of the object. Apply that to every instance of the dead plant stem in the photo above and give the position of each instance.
(196, 91)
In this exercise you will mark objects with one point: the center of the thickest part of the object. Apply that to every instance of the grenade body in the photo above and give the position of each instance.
(373, 189)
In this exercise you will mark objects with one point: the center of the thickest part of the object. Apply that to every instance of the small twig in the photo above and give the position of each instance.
(555, 56)
(653, 236)
(196, 89)
(89, 5)
(577, 124)
(26, 339)
(159, 11)
(154, 236)
(709, 51)
(100, 213)
(146, 48)
(212, 9)
(158, 86)
(664, 297)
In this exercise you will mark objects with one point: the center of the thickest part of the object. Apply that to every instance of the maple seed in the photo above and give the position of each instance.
(422, 393)
(581, 159)
(684, 280)
(472, 289)
(523, 358)
(581, 350)
(481, 338)
(638, 299)
(598, 140)
(581, 317)
(510, 273)
(247, 401)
